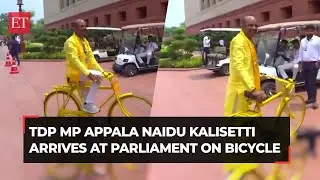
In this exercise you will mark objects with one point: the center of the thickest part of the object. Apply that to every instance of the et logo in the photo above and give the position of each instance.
(19, 22)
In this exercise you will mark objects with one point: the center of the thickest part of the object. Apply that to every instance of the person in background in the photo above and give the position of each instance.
(292, 62)
(221, 42)
(309, 59)
(244, 78)
(8, 39)
(206, 49)
(302, 36)
(283, 53)
(151, 47)
(18, 38)
(15, 49)
(92, 43)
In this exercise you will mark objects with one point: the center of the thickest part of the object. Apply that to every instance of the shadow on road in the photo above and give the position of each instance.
(203, 76)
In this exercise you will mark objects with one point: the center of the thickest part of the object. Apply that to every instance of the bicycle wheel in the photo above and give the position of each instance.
(130, 106)
(62, 100)
(295, 109)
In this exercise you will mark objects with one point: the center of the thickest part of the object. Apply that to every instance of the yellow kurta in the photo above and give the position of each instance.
(244, 74)
(78, 59)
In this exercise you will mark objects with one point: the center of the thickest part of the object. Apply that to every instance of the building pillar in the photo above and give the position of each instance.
(212, 2)
(201, 4)
(206, 4)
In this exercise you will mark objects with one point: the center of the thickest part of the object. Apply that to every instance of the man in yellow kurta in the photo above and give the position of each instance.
(82, 66)
(244, 69)
(244, 76)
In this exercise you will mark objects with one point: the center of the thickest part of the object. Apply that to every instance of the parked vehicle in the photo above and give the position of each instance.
(218, 60)
(267, 44)
(105, 41)
(126, 61)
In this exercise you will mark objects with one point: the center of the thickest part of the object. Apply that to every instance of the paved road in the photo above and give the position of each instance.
(23, 94)
(200, 93)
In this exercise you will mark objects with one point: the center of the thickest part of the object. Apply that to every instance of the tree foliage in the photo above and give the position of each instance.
(180, 46)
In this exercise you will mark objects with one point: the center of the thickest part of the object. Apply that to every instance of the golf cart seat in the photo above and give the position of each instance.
(217, 56)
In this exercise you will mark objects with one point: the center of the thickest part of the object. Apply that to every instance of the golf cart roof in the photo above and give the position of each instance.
(104, 28)
(135, 26)
(278, 26)
(222, 29)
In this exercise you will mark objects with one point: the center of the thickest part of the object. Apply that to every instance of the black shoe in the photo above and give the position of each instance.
(315, 106)
(309, 102)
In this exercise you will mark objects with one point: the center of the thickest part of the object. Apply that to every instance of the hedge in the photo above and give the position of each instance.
(194, 62)
(42, 55)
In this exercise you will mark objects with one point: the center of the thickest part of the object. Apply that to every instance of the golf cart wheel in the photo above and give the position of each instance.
(269, 87)
(224, 70)
(130, 70)
(97, 57)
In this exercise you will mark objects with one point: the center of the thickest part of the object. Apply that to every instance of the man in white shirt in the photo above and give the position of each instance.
(221, 42)
(309, 58)
(151, 48)
(292, 62)
(206, 48)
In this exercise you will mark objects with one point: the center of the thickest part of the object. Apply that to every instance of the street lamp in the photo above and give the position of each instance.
(20, 3)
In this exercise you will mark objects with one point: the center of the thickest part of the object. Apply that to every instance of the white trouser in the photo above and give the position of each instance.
(287, 66)
(145, 54)
(89, 96)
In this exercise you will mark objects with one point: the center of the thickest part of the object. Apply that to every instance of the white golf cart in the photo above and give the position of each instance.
(218, 59)
(105, 41)
(268, 44)
(134, 41)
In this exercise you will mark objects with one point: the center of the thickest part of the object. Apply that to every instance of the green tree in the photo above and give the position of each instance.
(4, 24)
(37, 28)
(180, 46)
(53, 40)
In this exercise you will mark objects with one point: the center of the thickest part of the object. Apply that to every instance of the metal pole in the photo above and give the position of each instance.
(21, 36)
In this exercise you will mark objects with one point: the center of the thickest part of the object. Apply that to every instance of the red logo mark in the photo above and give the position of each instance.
(24, 121)
(19, 22)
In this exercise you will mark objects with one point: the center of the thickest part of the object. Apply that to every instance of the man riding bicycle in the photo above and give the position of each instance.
(244, 77)
(82, 66)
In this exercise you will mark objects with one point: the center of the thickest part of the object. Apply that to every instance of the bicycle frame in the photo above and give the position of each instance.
(289, 86)
(71, 88)
(283, 94)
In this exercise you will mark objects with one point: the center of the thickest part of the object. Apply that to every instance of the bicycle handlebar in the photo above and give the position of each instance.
(108, 75)
(289, 85)
(279, 79)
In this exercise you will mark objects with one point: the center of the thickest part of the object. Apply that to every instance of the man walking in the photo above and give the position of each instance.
(309, 59)
(15, 49)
